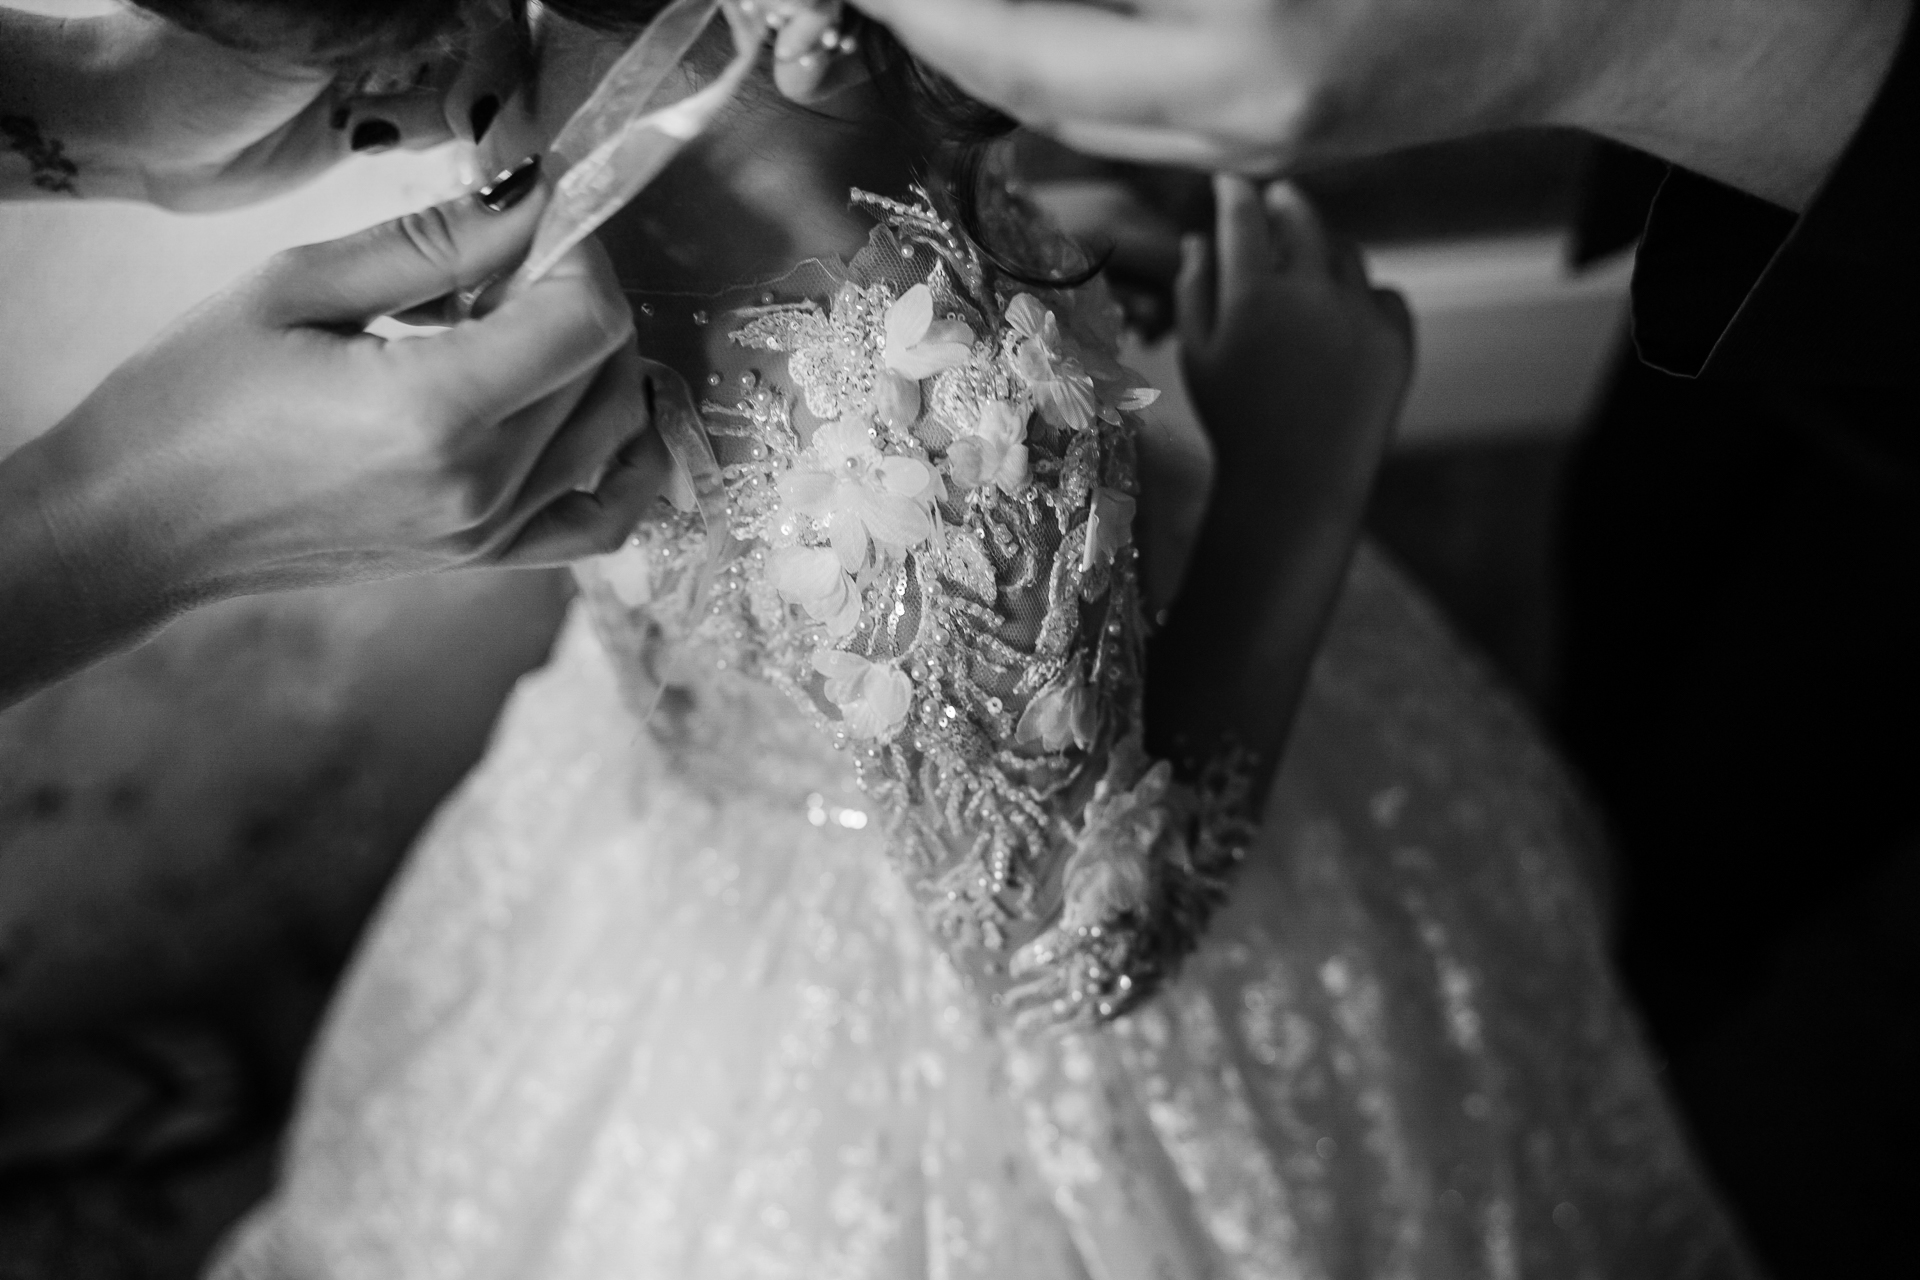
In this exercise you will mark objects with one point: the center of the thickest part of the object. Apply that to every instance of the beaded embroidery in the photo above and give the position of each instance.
(944, 574)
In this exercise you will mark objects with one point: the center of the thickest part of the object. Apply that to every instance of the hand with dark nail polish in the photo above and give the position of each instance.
(269, 443)
(510, 186)
(174, 117)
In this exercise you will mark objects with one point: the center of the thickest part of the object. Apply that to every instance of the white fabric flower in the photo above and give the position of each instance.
(1061, 387)
(896, 400)
(994, 452)
(812, 578)
(1126, 831)
(860, 494)
(1063, 714)
(919, 346)
(874, 698)
(1109, 526)
(916, 346)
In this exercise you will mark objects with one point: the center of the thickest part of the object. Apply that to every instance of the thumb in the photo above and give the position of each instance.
(414, 259)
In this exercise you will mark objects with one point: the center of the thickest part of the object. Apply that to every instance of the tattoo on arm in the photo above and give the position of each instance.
(47, 160)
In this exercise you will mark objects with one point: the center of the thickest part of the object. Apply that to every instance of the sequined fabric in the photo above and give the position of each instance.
(650, 1003)
(924, 502)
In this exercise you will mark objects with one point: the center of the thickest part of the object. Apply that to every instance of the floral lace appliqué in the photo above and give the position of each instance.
(943, 572)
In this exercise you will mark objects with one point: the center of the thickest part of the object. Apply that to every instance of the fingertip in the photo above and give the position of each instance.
(1296, 228)
(411, 121)
(632, 486)
(1193, 291)
(1228, 185)
(585, 278)
(537, 340)
(1235, 198)
(648, 473)
(580, 525)
(805, 52)
(513, 186)
(1283, 196)
(1244, 248)
(1286, 206)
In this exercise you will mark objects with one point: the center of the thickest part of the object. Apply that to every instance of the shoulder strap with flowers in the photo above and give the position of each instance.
(954, 542)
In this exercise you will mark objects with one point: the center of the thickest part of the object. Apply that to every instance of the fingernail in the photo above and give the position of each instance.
(375, 135)
(510, 186)
(482, 114)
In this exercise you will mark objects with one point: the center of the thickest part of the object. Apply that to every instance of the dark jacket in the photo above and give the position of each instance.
(1731, 287)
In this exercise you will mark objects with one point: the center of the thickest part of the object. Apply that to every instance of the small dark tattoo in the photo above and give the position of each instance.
(46, 158)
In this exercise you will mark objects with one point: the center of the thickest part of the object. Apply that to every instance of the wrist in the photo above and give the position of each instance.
(52, 64)
(72, 100)
(123, 552)
(78, 578)
(1275, 482)
(58, 616)
(127, 57)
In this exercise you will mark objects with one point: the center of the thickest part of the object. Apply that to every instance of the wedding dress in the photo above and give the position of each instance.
(655, 998)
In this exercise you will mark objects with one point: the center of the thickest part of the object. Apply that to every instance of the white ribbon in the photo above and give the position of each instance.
(612, 147)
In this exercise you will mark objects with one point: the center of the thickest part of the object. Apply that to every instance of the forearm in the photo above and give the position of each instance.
(76, 581)
(1763, 95)
(55, 68)
(94, 107)
(1230, 665)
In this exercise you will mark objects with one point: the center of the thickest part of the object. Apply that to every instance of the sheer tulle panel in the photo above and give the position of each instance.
(627, 1016)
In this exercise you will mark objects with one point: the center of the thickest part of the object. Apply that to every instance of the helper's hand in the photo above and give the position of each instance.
(1296, 363)
(1298, 368)
(1763, 96)
(1253, 85)
(266, 442)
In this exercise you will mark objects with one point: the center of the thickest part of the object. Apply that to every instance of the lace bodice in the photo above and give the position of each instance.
(914, 519)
